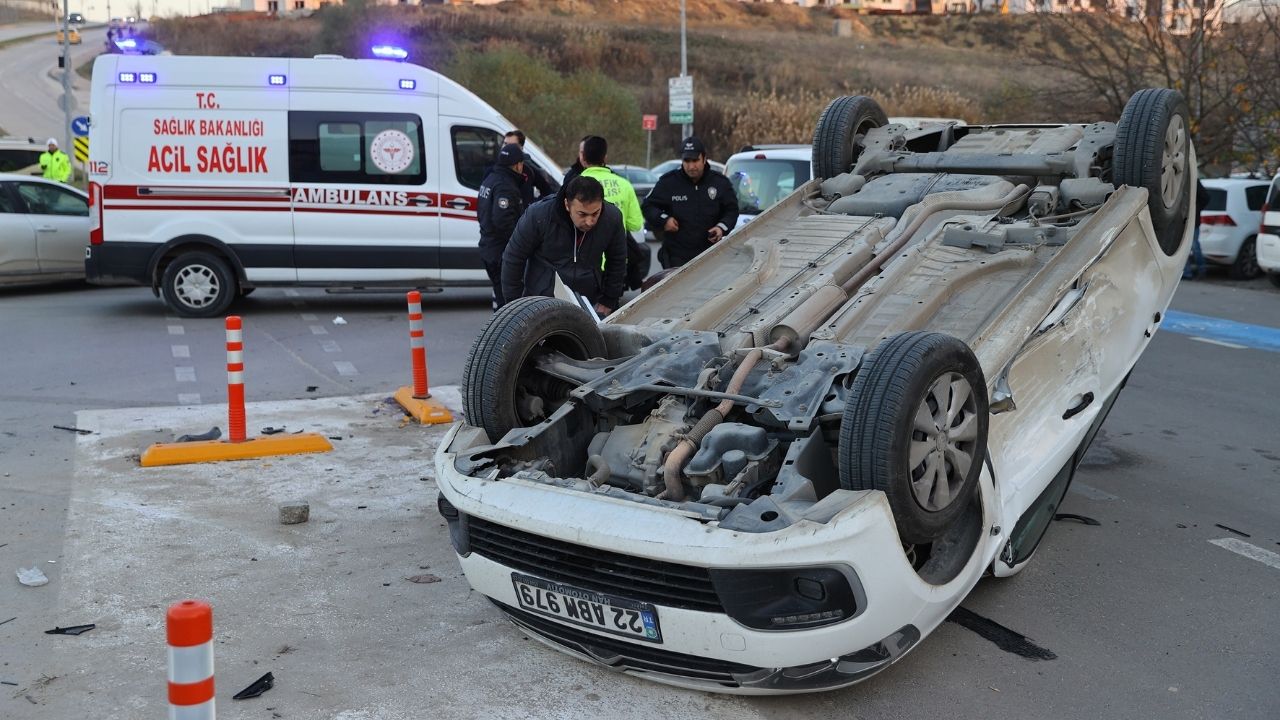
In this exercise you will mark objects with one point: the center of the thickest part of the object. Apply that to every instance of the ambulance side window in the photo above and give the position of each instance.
(474, 151)
(356, 147)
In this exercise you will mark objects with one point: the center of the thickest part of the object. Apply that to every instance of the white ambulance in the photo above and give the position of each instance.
(211, 176)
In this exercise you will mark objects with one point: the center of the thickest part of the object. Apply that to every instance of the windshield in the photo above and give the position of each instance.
(761, 183)
(638, 175)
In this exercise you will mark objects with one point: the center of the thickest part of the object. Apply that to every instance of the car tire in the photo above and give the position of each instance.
(198, 284)
(883, 447)
(1152, 151)
(1274, 278)
(837, 139)
(501, 391)
(1246, 265)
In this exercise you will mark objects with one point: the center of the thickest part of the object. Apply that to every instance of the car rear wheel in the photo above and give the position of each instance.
(837, 140)
(1246, 265)
(915, 427)
(1152, 151)
(198, 284)
(502, 389)
(1274, 278)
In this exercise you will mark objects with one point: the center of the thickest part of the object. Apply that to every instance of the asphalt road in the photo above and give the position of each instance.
(1147, 614)
(30, 107)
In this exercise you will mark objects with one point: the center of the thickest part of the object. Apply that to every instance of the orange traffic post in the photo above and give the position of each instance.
(189, 630)
(417, 400)
(237, 446)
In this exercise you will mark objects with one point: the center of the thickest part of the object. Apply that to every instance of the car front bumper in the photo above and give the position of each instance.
(710, 650)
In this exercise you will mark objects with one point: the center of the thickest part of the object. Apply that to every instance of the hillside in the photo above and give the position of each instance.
(563, 68)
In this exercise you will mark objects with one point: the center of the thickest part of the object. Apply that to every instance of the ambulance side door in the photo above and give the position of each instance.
(468, 151)
(363, 185)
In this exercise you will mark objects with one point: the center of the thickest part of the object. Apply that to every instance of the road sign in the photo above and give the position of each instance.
(649, 122)
(680, 100)
(80, 126)
(81, 148)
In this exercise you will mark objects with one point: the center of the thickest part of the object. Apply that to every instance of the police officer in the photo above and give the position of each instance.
(536, 181)
(694, 206)
(501, 204)
(55, 163)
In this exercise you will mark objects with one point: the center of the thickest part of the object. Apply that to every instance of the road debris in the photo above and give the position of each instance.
(259, 686)
(1224, 527)
(6, 682)
(294, 512)
(424, 579)
(268, 430)
(73, 429)
(1080, 518)
(312, 388)
(15, 617)
(72, 630)
(339, 321)
(32, 577)
(214, 433)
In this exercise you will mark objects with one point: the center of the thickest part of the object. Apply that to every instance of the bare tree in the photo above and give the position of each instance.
(1222, 69)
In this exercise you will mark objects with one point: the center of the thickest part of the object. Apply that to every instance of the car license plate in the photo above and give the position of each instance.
(615, 615)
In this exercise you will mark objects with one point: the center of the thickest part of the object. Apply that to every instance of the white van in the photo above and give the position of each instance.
(1268, 246)
(211, 176)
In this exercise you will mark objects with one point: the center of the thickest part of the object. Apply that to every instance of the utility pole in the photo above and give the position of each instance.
(66, 79)
(686, 129)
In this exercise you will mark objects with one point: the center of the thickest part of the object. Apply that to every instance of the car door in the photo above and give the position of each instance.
(17, 236)
(363, 188)
(470, 150)
(60, 217)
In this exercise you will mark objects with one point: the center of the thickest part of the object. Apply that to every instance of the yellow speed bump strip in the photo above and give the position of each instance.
(215, 450)
(427, 411)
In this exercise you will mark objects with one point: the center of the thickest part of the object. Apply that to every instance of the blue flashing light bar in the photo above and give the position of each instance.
(408, 84)
(127, 44)
(147, 77)
(128, 77)
(390, 52)
(275, 80)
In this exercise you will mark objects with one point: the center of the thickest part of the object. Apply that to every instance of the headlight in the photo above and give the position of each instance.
(787, 599)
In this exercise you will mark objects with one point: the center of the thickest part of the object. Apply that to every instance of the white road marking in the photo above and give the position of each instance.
(185, 374)
(1249, 550)
(1222, 343)
(331, 346)
(345, 368)
(1091, 492)
(189, 398)
(181, 351)
(291, 293)
(319, 330)
(177, 330)
(172, 318)
(309, 317)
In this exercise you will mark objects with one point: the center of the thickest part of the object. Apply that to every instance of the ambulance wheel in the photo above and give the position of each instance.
(502, 387)
(198, 284)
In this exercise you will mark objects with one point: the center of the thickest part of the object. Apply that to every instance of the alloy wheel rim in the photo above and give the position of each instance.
(1173, 161)
(197, 286)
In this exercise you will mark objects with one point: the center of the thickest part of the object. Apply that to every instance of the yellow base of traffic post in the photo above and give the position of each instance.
(427, 411)
(215, 450)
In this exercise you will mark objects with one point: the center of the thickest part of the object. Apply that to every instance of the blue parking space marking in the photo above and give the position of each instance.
(1259, 337)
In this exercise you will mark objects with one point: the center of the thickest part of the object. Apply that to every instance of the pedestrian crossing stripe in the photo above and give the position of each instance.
(80, 146)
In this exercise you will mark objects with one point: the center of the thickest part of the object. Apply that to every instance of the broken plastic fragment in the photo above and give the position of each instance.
(268, 430)
(259, 686)
(214, 433)
(32, 577)
(72, 630)
(339, 321)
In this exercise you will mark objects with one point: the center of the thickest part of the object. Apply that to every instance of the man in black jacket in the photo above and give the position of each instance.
(571, 234)
(694, 206)
(535, 178)
(500, 205)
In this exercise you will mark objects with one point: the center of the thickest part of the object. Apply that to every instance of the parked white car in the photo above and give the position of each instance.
(1229, 224)
(1268, 243)
(44, 230)
(764, 174)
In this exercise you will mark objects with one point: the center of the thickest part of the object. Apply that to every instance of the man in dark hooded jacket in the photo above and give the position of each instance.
(570, 234)
(500, 204)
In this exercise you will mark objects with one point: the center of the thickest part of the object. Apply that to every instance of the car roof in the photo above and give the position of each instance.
(10, 177)
(775, 152)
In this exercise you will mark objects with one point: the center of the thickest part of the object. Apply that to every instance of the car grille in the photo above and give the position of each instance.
(655, 581)
(623, 655)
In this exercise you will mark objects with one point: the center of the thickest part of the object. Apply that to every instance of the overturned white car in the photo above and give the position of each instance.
(788, 462)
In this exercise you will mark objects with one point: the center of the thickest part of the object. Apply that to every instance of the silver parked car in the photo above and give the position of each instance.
(44, 230)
